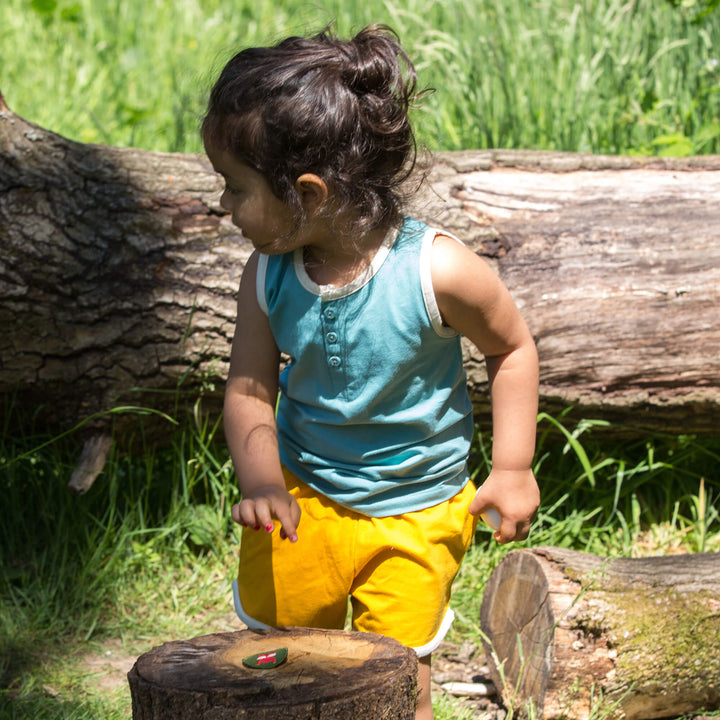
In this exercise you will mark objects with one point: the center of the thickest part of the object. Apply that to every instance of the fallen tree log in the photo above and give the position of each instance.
(579, 635)
(118, 273)
(327, 675)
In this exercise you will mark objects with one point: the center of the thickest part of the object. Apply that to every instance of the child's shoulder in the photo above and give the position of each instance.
(447, 256)
(413, 227)
(459, 272)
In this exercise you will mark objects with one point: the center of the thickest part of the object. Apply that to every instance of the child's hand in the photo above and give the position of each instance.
(258, 509)
(516, 497)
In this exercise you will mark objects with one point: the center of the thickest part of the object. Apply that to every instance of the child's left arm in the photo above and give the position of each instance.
(474, 301)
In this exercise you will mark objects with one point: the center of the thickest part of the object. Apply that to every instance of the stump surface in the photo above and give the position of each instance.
(328, 674)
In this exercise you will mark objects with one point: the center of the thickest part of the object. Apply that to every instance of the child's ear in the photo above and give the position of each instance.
(313, 192)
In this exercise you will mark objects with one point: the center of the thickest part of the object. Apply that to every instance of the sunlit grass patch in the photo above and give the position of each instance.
(602, 77)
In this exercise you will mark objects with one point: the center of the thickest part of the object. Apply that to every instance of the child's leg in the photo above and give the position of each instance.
(403, 585)
(424, 709)
(406, 565)
(398, 570)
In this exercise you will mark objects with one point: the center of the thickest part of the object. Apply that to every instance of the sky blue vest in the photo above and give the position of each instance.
(374, 410)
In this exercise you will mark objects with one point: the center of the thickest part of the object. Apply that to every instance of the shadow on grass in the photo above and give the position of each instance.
(22, 697)
(17, 661)
(43, 706)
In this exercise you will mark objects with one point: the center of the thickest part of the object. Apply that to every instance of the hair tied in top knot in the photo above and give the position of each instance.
(375, 63)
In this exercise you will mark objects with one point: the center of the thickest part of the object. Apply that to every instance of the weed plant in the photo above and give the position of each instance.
(602, 76)
(634, 498)
(144, 554)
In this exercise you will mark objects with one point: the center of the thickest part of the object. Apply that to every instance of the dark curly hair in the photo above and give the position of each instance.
(335, 108)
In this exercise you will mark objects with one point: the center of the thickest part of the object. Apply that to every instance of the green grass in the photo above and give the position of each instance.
(149, 552)
(606, 76)
(146, 555)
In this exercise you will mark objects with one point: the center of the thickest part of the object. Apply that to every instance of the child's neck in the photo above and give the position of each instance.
(338, 264)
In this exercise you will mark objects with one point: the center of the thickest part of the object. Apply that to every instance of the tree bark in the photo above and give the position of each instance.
(328, 675)
(579, 635)
(118, 274)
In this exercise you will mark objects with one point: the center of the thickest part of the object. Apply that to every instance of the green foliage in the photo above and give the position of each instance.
(149, 551)
(629, 498)
(606, 76)
(699, 8)
(146, 551)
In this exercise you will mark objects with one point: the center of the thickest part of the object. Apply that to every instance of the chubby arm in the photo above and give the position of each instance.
(474, 301)
(249, 416)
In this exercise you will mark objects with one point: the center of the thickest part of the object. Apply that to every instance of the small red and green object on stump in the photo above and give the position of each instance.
(266, 660)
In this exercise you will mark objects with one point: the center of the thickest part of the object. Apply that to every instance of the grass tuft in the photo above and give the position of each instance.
(605, 77)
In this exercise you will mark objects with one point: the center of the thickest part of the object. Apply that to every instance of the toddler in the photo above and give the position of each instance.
(368, 441)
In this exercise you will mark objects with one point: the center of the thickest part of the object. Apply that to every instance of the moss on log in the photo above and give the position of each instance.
(576, 634)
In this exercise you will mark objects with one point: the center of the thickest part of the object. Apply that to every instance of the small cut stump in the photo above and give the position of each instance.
(579, 635)
(328, 675)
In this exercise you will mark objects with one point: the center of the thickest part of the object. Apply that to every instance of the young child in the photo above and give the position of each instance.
(369, 440)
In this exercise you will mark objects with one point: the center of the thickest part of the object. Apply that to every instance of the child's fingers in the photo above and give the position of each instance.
(244, 513)
(508, 531)
(264, 514)
(288, 516)
(261, 513)
(523, 530)
(479, 504)
(512, 530)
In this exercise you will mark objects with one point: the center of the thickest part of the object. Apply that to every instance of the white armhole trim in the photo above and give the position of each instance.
(240, 611)
(433, 645)
(260, 282)
(428, 292)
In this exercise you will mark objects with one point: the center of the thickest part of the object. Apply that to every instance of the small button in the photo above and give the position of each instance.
(334, 361)
(330, 314)
(331, 337)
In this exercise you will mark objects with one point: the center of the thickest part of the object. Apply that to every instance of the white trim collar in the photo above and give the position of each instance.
(330, 292)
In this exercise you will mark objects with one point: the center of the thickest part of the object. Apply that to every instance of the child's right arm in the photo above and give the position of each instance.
(250, 429)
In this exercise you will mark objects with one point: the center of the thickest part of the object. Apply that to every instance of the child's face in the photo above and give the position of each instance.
(262, 217)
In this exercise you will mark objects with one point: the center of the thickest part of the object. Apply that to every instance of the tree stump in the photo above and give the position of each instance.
(575, 633)
(328, 675)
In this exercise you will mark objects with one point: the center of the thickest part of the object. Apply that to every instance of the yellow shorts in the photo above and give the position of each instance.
(397, 571)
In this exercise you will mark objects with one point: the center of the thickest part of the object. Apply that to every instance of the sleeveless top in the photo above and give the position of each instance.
(374, 410)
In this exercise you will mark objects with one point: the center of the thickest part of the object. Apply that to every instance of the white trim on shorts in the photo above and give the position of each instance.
(433, 645)
(252, 623)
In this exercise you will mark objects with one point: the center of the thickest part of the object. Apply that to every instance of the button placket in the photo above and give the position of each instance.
(331, 338)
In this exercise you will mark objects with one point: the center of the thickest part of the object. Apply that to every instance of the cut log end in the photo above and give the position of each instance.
(570, 632)
(328, 674)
